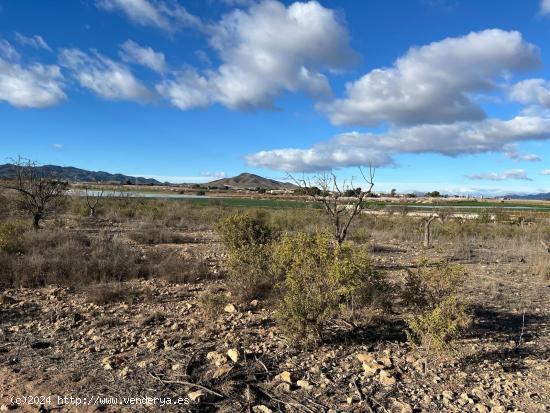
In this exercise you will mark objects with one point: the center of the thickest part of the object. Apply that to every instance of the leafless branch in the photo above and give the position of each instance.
(341, 202)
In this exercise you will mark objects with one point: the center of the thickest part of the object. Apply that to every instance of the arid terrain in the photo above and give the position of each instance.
(179, 332)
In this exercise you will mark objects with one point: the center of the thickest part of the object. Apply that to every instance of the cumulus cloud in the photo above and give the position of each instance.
(28, 86)
(166, 15)
(265, 50)
(352, 149)
(512, 152)
(545, 6)
(545, 172)
(145, 56)
(511, 174)
(187, 91)
(103, 76)
(433, 83)
(35, 41)
(531, 91)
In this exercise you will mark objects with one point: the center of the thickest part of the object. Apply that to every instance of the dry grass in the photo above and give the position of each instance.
(103, 294)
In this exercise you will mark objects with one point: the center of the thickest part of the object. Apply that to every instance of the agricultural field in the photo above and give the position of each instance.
(229, 306)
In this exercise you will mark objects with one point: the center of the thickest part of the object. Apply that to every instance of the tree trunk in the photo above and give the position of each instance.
(427, 231)
(36, 221)
(92, 212)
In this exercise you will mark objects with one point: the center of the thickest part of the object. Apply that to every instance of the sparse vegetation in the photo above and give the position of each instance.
(38, 194)
(213, 302)
(180, 301)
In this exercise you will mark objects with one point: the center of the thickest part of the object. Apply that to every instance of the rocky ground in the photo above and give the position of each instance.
(162, 340)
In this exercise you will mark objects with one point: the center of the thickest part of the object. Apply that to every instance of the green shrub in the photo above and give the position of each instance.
(10, 236)
(320, 280)
(244, 230)
(439, 327)
(248, 241)
(430, 283)
(249, 270)
(439, 312)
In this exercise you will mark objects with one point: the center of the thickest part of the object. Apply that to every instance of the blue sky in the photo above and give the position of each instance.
(451, 95)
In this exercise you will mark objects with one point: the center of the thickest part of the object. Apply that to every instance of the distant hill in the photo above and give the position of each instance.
(72, 174)
(541, 197)
(246, 180)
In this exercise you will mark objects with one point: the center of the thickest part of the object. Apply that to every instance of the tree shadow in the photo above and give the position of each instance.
(18, 313)
(385, 249)
(380, 329)
(512, 333)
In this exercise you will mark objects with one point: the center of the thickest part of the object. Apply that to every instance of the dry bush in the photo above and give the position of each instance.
(49, 257)
(213, 303)
(11, 233)
(181, 214)
(320, 281)
(152, 234)
(310, 220)
(102, 294)
(7, 204)
(541, 266)
(177, 269)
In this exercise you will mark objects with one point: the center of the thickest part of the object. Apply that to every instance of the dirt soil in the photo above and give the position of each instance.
(163, 343)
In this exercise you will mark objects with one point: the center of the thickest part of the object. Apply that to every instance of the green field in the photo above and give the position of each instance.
(459, 205)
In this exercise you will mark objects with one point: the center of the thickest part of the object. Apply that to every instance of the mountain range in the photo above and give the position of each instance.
(73, 174)
(539, 197)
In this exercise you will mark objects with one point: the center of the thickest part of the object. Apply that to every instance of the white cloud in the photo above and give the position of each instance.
(169, 16)
(531, 91)
(145, 56)
(57, 146)
(511, 174)
(545, 6)
(7, 51)
(433, 83)
(188, 90)
(266, 50)
(214, 174)
(545, 172)
(512, 152)
(103, 76)
(352, 149)
(35, 41)
(28, 86)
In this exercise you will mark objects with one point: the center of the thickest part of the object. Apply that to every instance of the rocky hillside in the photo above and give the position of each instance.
(247, 180)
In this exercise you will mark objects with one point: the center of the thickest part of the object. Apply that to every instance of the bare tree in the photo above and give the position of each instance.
(37, 192)
(92, 200)
(341, 202)
(428, 230)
